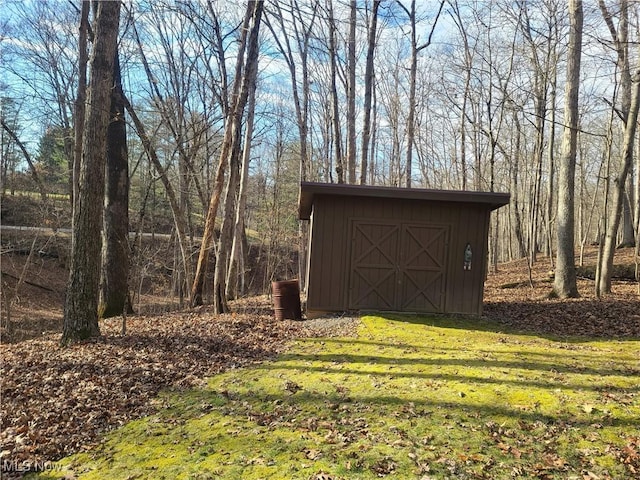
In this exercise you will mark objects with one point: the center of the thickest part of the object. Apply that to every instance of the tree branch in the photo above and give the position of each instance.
(34, 172)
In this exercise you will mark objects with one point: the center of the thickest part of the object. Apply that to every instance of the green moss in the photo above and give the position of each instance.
(410, 397)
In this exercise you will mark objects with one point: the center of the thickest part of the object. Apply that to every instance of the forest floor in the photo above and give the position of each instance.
(58, 401)
(520, 299)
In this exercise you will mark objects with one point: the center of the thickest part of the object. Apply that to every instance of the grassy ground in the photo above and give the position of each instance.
(409, 397)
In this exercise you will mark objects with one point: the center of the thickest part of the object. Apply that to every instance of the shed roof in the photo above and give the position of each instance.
(308, 190)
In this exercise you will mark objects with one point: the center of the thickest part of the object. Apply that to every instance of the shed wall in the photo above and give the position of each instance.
(331, 277)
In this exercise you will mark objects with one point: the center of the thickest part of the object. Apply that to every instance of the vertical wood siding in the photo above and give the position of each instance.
(414, 233)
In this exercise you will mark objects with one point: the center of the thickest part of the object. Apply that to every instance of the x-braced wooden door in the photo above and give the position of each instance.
(423, 267)
(374, 265)
(398, 266)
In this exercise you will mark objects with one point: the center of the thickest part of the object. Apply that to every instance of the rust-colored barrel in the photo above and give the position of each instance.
(286, 299)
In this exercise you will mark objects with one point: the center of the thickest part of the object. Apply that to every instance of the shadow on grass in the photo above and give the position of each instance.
(404, 348)
(575, 321)
(319, 401)
(547, 371)
(456, 384)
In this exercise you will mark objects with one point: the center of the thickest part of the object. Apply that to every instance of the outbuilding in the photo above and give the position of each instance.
(396, 249)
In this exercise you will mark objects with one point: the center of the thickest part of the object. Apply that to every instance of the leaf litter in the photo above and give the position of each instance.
(59, 401)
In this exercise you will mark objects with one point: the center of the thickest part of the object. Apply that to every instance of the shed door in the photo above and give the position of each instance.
(374, 262)
(398, 266)
(423, 263)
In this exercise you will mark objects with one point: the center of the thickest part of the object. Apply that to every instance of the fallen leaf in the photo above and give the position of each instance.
(313, 454)
(101, 384)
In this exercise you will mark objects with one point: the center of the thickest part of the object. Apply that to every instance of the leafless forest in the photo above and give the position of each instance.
(199, 119)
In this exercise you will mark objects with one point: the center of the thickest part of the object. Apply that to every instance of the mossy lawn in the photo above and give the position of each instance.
(409, 397)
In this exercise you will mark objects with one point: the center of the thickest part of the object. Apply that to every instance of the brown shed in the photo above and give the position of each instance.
(396, 249)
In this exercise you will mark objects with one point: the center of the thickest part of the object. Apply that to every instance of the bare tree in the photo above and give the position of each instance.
(630, 93)
(184, 274)
(415, 50)
(81, 98)
(27, 157)
(606, 264)
(368, 90)
(620, 38)
(302, 30)
(298, 67)
(468, 63)
(541, 38)
(565, 284)
(335, 101)
(114, 289)
(235, 283)
(227, 228)
(245, 76)
(178, 214)
(514, 205)
(81, 303)
(351, 94)
(48, 64)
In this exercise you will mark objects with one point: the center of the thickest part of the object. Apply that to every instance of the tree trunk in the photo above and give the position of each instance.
(115, 253)
(629, 114)
(636, 209)
(619, 191)
(541, 112)
(374, 134)
(628, 234)
(565, 284)
(236, 258)
(178, 216)
(468, 63)
(620, 37)
(220, 304)
(551, 163)
(415, 49)
(233, 124)
(81, 98)
(515, 195)
(81, 303)
(351, 94)
(602, 223)
(335, 109)
(303, 36)
(636, 219)
(368, 90)
(412, 96)
(636, 203)
(463, 118)
(411, 123)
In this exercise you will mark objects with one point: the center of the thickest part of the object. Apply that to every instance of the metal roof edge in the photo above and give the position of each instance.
(308, 190)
